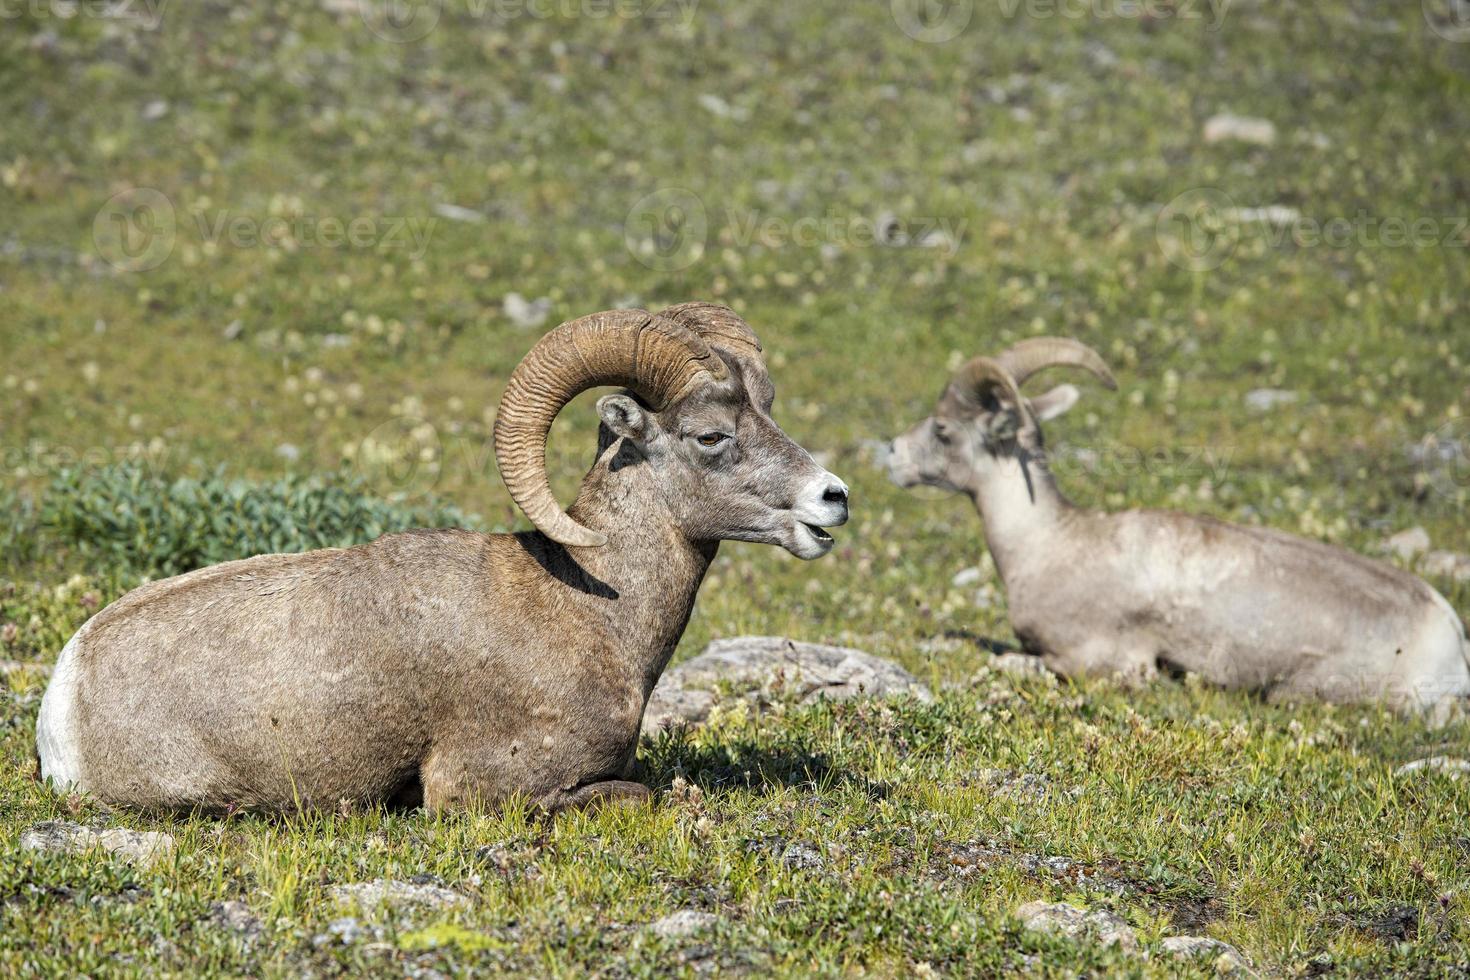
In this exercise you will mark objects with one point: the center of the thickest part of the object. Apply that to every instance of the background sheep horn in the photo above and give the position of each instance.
(659, 360)
(981, 373)
(1030, 357)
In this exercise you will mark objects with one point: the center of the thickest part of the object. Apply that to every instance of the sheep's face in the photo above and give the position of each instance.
(968, 436)
(727, 471)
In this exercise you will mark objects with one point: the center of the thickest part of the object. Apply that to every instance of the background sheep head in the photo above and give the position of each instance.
(982, 417)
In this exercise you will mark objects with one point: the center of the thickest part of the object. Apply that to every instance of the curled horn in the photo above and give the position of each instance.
(1032, 356)
(659, 360)
(718, 325)
(982, 373)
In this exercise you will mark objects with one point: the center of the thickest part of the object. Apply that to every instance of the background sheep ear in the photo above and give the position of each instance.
(625, 417)
(1056, 402)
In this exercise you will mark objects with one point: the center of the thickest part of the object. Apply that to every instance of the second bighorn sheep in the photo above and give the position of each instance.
(448, 666)
(1130, 593)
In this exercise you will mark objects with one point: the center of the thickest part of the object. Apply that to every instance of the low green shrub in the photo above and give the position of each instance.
(125, 516)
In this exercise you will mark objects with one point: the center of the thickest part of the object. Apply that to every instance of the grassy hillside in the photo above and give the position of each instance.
(267, 252)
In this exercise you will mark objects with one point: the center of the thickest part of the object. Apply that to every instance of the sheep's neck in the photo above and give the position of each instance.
(1019, 503)
(652, 567)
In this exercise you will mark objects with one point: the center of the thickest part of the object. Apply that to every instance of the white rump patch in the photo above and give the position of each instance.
(1449, 610)
(57, 740)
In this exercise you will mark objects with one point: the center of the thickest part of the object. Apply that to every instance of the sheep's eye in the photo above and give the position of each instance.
(712, 439)
(941, 433)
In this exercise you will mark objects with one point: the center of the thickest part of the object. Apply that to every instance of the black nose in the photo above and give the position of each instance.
(835, 495)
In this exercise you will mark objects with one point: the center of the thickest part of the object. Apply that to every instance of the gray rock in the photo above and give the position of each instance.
(1019, 665)
(967, 576)
(685, 922)
(1274, 215)
(345, 932)
(526, 314)
(236, 917)
(137, 847)
(1438, 763)
(1021, 785)
(144, 848)
(1225, 957)
(801, 857)
(1267, 399)
(719, 107)
(1447, 564)
(795, 855)
(1226, 127)
(1070, 922)
(455, 212)
(1407, 545)
(764, 669)
(387, 891)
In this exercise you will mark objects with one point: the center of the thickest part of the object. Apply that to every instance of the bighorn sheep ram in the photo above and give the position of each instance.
(449, 667)
(1130, 593)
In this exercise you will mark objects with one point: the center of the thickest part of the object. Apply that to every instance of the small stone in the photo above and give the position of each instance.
(1446, 564)
(236, 917)
(1225, 957)
(344, 932)
(526, 314)
(456, 213)
(717, 106)
(137, 847)
(801, 857)
(1407, 545)
(155, 110)
(1267, 399)
(1033, 786)
(232, 329)
(386, 891)
(1070, 922)
(1019, 665)
(1438, 763)
(63, 837)
(1244, 129)
(1275, 215)
(967, 576)
(289, 452)
(685, 922)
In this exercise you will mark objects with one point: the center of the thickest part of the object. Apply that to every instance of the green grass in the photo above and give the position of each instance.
(1048, 145)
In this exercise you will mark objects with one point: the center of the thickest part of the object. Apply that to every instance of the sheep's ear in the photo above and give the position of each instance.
(625, 417)
(1056, 402)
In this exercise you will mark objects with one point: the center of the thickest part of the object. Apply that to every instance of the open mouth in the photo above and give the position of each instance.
(819, 533)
